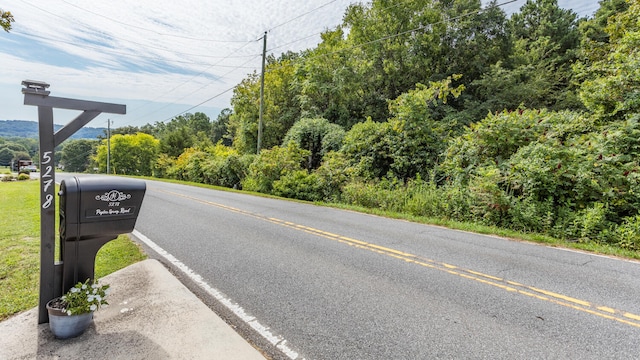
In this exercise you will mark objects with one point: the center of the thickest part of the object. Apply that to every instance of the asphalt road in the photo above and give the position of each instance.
(323, 283)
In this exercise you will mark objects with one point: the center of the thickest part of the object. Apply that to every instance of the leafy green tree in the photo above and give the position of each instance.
(539, 19)
(397, 44)
(189, 166)
(130, 154)
(299, 184)
(76, 155)
(367, 148)
(225, 167)
(318, 136)
(126, 130)
(538, 72)
(220, 128)
(594, 39)
(271, 165)
(15, 147)
(474, 38)
(492, 141)
(281, 108)
(6, 155)
(391, 55)
(409, 144)
(183, 132)
(29, 145)
(420, 137)
(243, 122)
(6, 18)
(612, 86)
(174, 142)
(329, 82)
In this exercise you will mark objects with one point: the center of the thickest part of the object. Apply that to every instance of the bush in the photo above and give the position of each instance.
(446, 202)
(188, 166)
(299, 185)
(228, 171)
(381, 195)
(627, 234)
(271, 165)
(333, 174)
(529, 215)
(7, 178)
(23, 176)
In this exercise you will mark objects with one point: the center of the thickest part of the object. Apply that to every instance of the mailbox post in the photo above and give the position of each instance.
(94, 211)
(36, 94)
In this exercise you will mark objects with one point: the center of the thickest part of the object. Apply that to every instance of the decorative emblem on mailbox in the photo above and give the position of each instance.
(113, 195)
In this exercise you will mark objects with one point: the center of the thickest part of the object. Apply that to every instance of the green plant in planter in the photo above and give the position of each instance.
(84, 298)
(71, 314)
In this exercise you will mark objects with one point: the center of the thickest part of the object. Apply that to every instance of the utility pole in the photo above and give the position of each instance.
(108, 145)
(264, 54)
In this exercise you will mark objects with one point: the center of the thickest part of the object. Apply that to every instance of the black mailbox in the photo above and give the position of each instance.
(93, 211)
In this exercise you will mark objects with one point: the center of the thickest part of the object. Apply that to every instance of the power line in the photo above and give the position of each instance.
(149, 30)
(195, 76)
(301, 15)
(209, 99)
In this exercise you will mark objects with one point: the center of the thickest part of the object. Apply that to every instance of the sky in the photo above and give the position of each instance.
(160, 58)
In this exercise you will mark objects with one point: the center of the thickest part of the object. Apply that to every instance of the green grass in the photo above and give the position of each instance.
(20, 248)
(603, 249)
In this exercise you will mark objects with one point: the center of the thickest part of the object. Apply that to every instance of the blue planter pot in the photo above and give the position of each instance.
(65, 326)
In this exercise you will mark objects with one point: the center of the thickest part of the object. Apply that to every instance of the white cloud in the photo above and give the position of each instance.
(165, 52)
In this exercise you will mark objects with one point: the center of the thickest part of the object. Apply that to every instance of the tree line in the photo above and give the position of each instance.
(431, 108)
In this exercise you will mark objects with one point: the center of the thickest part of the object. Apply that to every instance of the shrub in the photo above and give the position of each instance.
(229, 170)
(490, 202)
(319, 136)
(591, 223)
(188, 166)
(299, 185)
(627, 234)
(23, 177)
(446, 202)
(333, 174)
(529, 215)
(271, 165)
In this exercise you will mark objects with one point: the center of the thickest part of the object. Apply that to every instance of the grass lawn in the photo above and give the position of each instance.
(20, 248)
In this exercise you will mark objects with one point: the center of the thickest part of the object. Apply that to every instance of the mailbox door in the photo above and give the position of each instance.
(98, 206)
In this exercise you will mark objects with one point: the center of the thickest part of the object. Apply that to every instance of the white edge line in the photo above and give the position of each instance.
(276, 340)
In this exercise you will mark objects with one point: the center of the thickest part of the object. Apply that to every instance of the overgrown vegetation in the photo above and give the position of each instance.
(20, 248)
(436, 109)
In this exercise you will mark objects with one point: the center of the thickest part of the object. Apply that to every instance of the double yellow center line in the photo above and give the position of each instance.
(507, 285)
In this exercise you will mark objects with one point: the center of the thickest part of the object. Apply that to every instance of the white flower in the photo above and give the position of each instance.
(69, 312)
(75, 290)
(93, 307)
(90, 298)
(84, 286)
